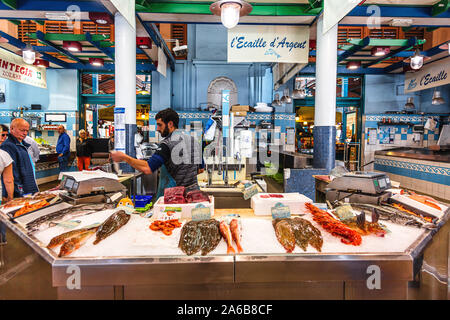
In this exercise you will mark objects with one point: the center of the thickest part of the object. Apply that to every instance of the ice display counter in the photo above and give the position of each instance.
(136, 262)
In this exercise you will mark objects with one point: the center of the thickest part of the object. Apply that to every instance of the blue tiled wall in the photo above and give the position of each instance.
(402, 132)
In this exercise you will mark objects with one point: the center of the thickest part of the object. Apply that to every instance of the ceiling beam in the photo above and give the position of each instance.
(203, 8)
(154, 34)
(60, 5)
(440, 7)
(41, 37)
(10, 4)
(357, 47)
(71, 37)
(411, 43)
(98, 46)
(19, 44)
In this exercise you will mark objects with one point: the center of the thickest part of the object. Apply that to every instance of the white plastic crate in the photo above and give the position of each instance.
(186, 208)
(295, 202)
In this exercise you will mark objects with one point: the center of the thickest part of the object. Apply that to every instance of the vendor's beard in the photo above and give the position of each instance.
(165, 133)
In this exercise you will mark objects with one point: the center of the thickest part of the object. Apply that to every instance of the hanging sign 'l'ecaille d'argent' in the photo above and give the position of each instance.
(284, 44)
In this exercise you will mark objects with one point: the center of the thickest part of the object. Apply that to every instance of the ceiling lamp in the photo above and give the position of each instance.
(298, 93)
(416, 61)
(353, 65)
(96, 62)
(42, 63)
(143, 43)
(73, 46)
(437, 98)
(445, 46)
(101, 18)
(380, 51)
(230, 11)
(286, 99)
(410, 104)
(28, 54)
(276, 101)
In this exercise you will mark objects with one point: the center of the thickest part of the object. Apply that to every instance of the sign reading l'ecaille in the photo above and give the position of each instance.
(430, 76)
(13, 68)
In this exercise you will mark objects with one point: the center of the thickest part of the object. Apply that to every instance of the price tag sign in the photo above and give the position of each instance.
(200, 212)
(170, 213)
(280, 211)
(250, 191)
(69, 224)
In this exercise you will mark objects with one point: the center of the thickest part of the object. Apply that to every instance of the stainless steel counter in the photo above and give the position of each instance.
(244, 276)
(417, 153)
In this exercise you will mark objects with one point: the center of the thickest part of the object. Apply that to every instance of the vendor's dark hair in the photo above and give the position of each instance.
(167, 115)
(4, 127)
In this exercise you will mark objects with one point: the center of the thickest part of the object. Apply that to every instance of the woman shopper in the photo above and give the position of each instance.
(84, 151)
(6, 173)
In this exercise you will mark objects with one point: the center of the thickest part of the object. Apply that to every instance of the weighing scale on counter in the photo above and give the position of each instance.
(360, 187)
(91, 187)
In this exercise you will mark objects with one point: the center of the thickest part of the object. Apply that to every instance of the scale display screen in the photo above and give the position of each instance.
(382, 183)
(75, 186)
(68, 185)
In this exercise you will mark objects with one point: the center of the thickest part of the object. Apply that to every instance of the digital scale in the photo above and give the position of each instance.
(360, 187)
(96, 189)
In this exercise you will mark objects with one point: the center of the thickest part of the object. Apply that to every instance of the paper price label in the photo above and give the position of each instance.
(250, 191)
(280, 211)
(200, 212)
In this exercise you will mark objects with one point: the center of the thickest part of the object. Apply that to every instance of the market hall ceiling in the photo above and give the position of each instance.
(425, 14)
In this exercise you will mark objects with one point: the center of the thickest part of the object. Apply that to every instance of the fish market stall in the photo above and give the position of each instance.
(103, 251)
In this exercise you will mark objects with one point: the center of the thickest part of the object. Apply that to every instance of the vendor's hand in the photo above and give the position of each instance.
(200, 171)
(60, 155)
(117, 156)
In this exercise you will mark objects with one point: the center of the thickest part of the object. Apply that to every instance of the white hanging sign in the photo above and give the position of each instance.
(268, 43)
(335, 10)
(162, 62)
(13, 68)
(127, 10)
(430, 76)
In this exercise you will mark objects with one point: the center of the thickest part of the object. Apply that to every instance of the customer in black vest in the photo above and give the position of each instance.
(23, 172)
(178, 152)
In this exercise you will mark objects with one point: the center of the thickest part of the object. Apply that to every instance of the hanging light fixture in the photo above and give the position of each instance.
(286, 98)
(445, 46)
(380, 51)
(437, 98)
(28, 54)
(276, 101)
(230, 11)
(416, 61)
(73, 46)
(410, 104)
(96, 62)
(353, 65)
(298, 93)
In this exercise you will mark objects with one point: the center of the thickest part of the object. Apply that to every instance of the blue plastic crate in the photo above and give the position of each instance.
(142, 201)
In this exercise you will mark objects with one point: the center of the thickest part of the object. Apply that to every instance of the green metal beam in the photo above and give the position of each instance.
(10, 3)
(203, 8)
(73, 37)
(382, 42)
(440, 7)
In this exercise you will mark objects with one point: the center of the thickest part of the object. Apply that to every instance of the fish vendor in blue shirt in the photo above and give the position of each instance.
(63, 149)
(177, 168)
